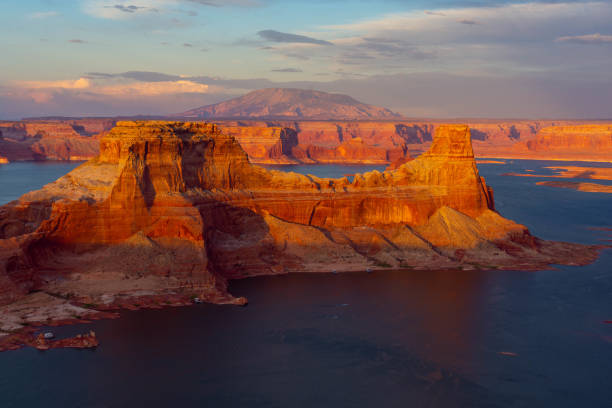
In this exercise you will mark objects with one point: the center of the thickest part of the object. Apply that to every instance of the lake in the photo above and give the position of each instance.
(384, 339)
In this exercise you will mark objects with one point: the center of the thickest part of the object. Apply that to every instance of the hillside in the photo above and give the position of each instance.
(279, 103)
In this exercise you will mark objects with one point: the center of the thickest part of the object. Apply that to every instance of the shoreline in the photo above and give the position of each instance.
(30, 334)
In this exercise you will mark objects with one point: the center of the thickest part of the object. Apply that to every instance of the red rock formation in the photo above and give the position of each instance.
(578, 142)
(352, 151)
(321, 141)
(46, 141)
(265, 145)
(178, 206)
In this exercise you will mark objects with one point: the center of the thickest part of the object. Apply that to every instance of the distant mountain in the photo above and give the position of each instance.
(284, 103)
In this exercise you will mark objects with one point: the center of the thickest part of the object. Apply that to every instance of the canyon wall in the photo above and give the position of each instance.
(587, 142)
(349, 142)
(52, 140)
(173, 205)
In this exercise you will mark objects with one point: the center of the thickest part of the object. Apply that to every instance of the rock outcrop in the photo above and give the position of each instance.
(172, 206)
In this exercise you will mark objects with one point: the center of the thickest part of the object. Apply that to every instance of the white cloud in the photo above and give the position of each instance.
(81, 83)
(45, 91)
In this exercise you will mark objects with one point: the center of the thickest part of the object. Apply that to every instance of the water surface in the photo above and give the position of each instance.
(20, 177)
(385, 339)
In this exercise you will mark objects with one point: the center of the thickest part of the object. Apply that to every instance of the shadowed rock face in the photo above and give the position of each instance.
(181, 203)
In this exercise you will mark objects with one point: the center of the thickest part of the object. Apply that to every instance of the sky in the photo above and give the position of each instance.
(434, 59)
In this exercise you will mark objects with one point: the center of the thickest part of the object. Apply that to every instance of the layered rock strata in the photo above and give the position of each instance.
(169, 207)
(51, 140)
(355, 142)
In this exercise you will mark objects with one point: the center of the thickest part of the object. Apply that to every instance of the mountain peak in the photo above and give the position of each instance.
(291, 103)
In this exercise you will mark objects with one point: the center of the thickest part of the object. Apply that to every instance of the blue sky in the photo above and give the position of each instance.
(421, 58)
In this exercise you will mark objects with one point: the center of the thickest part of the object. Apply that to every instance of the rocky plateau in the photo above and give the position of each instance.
(175, 210)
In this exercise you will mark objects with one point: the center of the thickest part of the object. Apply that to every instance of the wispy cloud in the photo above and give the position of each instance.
(280, 37)
(77, 41)
(128, 9)
(43, 14)
(288, 70)
(587, 39)
(125, 9)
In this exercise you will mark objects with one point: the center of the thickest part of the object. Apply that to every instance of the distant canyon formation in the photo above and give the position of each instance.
(169, 206)
(348, 142)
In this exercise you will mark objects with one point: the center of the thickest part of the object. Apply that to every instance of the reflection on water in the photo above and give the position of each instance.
(384, 339)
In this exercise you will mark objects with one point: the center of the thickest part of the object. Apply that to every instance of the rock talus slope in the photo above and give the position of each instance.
(174, 206)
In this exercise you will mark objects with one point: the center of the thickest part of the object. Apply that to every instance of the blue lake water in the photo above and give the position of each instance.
(385, 339)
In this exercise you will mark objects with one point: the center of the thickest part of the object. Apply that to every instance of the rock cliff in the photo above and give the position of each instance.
(51, 140)
(172, 206)
(572, 142)
(355, 142)
(265, 145)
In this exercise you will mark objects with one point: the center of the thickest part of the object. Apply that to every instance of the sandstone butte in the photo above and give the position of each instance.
(170, 210)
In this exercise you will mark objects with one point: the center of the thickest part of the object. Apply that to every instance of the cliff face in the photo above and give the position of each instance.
(265, 145)
(357, 142)
(572, 141)
(51, 140)
(178, 206)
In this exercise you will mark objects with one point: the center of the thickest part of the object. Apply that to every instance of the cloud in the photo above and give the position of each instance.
(97, 84)
(587, 39)
(221, 3)
(152, 88)
(432, 94)
(125, 9)
(280, 37)
(286, 70)
(81, 83)
(77, 41)
(188, 45)
(504, 37)
(44, 14)
(128, 9)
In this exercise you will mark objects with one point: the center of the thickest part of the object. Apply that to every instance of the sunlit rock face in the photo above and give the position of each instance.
(581, 138)
(51, 140)
(181, 202)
